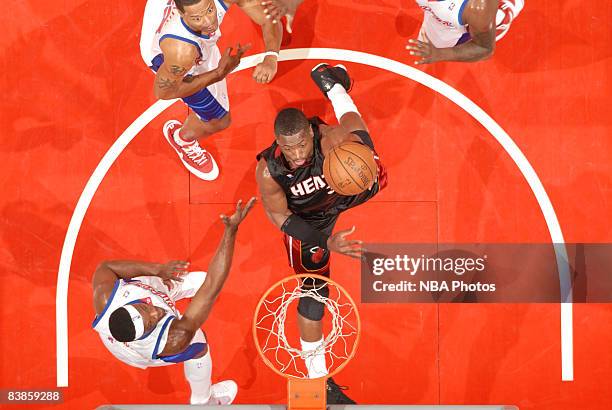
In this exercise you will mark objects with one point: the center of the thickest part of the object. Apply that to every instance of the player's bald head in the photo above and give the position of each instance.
(290, 121)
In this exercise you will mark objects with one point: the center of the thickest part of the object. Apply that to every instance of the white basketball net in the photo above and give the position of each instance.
(338, 343)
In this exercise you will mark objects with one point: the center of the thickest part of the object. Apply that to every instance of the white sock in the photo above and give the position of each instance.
(341, 101)
(315, 364)
(198, 373)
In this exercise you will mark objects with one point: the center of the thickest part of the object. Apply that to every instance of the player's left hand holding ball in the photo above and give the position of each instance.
(266, 70)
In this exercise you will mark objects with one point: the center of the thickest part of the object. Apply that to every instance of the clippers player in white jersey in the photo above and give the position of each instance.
(179, 42)
(452, 30)
(462, 30)
(298, 201)
(138, 321)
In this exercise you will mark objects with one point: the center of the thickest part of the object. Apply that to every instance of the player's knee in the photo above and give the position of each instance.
(311, 308)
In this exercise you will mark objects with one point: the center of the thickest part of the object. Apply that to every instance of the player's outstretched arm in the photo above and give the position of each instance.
(171, 80)
(479, 15)
(182, 330)
(272, 35)
(108, 272)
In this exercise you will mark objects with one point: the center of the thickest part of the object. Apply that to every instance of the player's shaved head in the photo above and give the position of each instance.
(180, 4)
(290, 121)
(121, 326)
(294, 136)
(199, 15)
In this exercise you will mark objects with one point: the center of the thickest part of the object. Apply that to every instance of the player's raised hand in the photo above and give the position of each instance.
(241, 212)
(349, 247)
(424, 50)
(275, 9)
(229, 61)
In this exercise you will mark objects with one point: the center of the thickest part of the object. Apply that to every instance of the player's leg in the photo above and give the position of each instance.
(210, 114)
(198, 373)
(309, 259)
(195, 128)
(310, 315)
(335, 84)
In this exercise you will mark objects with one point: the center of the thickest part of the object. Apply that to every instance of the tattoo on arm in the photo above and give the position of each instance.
(165, 83)
(177, 70)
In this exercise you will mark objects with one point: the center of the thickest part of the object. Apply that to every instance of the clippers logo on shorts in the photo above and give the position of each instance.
(310, 185)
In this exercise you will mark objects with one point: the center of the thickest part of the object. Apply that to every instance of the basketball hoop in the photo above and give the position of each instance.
(277, 338)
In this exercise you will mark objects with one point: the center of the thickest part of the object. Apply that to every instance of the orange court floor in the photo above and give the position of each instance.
(75, 81)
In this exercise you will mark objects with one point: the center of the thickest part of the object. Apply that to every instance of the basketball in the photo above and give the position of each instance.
(350, 168)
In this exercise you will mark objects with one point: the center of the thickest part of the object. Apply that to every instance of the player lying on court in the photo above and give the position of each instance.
(299, 200)
(462, 30)
(452, 30)
(140, 325)
(178, 42)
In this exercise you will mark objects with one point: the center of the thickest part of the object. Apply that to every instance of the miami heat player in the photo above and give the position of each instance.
(298, 200)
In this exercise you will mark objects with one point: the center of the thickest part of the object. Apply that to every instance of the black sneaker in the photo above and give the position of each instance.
(335, 395)
(326, 76)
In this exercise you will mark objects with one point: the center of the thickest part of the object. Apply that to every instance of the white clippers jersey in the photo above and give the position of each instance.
(442, 22)
(140, 353)
(162, 20)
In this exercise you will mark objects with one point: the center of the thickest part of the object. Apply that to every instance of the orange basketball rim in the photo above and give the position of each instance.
(273, 333)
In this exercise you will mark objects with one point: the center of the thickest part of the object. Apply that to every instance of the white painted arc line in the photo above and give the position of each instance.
(61, 300)
(329, 54)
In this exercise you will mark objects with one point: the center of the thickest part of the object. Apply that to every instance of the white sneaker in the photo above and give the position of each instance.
(223, 393)
(195, 158)
(507, 12)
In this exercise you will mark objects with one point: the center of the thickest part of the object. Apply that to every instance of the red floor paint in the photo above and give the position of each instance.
(74, 80)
